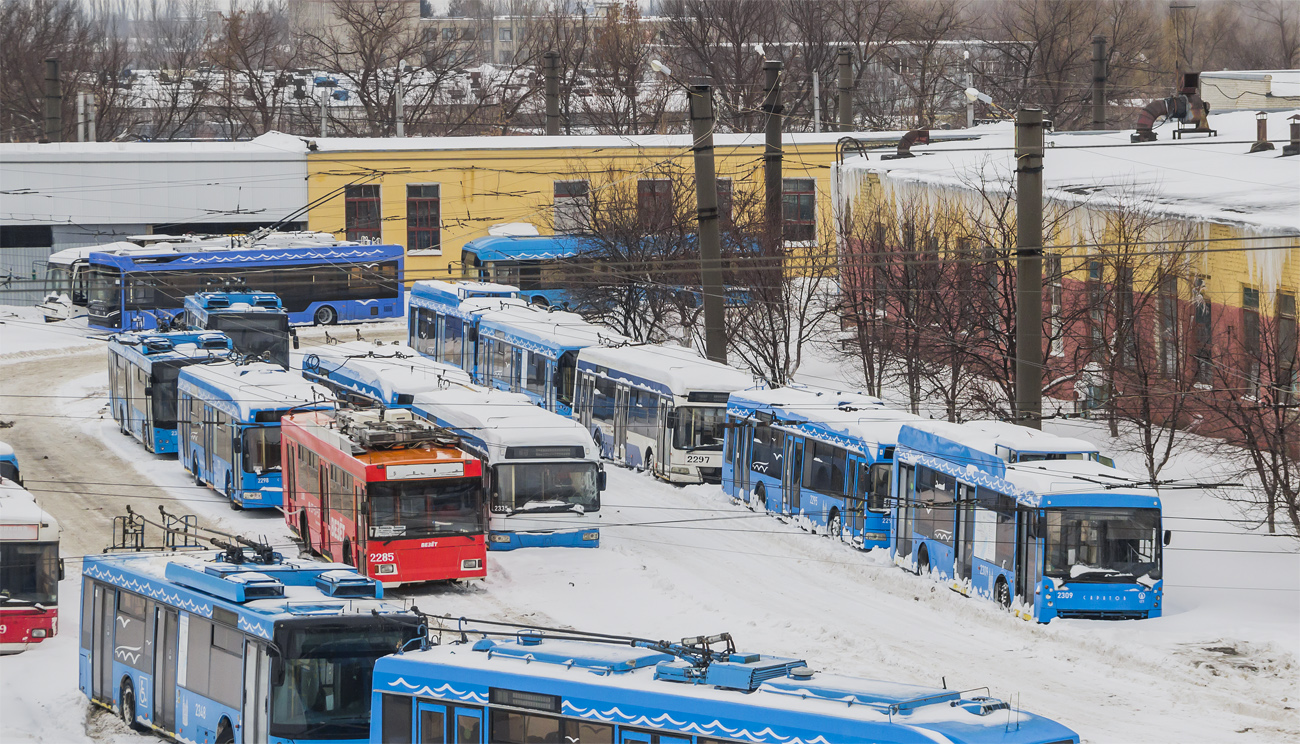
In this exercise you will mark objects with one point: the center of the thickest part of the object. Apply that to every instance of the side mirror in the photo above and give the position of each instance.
(295, 340)
(1169, 535)
(148, 390)
(277, 670)
(602, 480)
(61, 572)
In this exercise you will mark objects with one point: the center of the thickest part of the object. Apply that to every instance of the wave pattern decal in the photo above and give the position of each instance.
(148, 589)
(446, 692)
(665, 721)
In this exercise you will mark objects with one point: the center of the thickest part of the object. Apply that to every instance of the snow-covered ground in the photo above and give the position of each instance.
(1220, 666)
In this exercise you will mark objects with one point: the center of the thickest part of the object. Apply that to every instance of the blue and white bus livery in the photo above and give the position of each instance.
(658, 407)
(256, 322)
(9, 464)
(203, 648)
(142, 373)
(1071, 538)
(543, 471)
(606, 690)
(822, 458)
(228, 419)
(389, 375)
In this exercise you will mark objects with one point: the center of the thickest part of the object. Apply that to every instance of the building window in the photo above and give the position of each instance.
(1287, 384)
(572, 207)
(1250, 337)
(423, 218)
(1169, 337)
(654, 203)
(448, 33)
(505, 34)
(485, 33)
(1055, 297)
(361, 212)
(1202, 336)
(798, 209)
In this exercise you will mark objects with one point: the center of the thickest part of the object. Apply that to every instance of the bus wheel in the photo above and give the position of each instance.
(347, 551)
(923, 562)
(760, 494)
(230, 494)
(302, 530)
(198, 479)
(647, 461)
(834, 527)
(325, 315)
(127, 707)
(225, 734)
(1002, 593)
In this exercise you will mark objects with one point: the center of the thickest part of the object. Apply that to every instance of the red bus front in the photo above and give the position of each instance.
(29, 591)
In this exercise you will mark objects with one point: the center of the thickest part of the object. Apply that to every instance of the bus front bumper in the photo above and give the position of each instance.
(561, 539)
(1095, 601)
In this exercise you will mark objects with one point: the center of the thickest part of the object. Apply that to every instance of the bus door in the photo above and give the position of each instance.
(165, 629)
(858, 502)
(791, 476)
(664, 429)
(964, 544)
(1028, 562)
(741, 434)
(257, 694)
(469, 726)
(101, 652)
(582, 410)
(205, 469)
(622, 400)
(903, 525)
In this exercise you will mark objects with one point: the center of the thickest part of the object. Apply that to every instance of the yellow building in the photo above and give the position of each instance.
(432, 195)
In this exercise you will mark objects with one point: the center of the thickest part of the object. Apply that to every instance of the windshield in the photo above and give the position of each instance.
(1103, 545)
(698, 427)
(103, 286)
(262, 449)
(164, 395)
(325, 689)
(255, 334)
(515, 486)
(29, 573)
(58, 278)
(425, 508)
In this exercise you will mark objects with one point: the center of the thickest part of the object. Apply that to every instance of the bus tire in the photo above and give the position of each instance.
(1002, 593)
(230, 494)
(760, 495)
(127, 705)
(303, 531)
(922, 562)
(225, 733)
(325, 315)
(835, 526)
(347, 551)
(647, 461)
(198, 478)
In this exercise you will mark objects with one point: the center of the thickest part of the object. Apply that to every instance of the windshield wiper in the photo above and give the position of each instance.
(4, 599)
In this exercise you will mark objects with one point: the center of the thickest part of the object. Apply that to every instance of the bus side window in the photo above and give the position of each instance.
(395, 728)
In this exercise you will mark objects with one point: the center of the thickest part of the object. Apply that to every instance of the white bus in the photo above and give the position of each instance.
(364, 373)
(662, 408)
(543, 470)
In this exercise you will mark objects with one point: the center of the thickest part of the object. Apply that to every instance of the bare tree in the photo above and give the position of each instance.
(619, 101)
(255, 49)
(1280, 20)
(30, 32)
(175, 42)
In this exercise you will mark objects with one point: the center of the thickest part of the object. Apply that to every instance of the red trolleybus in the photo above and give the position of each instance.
(385, 492)
(30, 570)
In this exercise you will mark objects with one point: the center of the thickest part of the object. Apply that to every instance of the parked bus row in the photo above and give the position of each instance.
(246, 645)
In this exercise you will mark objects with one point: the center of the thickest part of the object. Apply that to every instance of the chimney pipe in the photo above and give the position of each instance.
(1261, 133)
(1294, 147)
(53, 102)
(914, 137)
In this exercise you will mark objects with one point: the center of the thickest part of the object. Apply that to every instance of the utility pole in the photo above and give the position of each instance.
(1099, 82)
(81, 117)
(1029, 268)
(90, 117)
(706, 211)
(53, 102)
(772, 151)
(551, 68)
(970, 83)
(844, 60)
(324, 97)
(817, 103)
(399, 103)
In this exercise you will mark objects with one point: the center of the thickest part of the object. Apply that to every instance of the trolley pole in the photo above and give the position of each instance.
(551, 68)
(1029, 268)
(706, 195)
(1099, 82)
(772, 151)
(53, 102)
(844, 60)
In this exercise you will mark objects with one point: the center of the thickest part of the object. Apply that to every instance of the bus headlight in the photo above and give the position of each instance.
(680, 470)
(38, 632)
(386, 568)
(875, 536)
(499, 538)
(471, 564)
(591, 536)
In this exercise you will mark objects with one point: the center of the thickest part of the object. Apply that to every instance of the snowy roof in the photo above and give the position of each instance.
(1023, 439)
(243, 389)
(392, 369)
(269, 146)
(1056, 478)
(861, 417)
(676, 369)
(1211, 179)
(526, 248)
(18, 506)
(500, 419)
(543, 330)
(6, 450)
(1282, 83)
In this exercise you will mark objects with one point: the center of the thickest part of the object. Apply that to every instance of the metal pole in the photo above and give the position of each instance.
(400, 104)
(1029, 268)
(772, 151)
(817, 103)
(844, 59)
(90, 118)
(53, 102)
(325, 93)
(970, 83)
(551, 68)
(81, 117)
(706, 211)
(1099, 82)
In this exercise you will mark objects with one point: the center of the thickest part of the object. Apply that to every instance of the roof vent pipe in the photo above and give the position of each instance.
(1186, 107)
(1294, 147)
(914, 137)
(1261, 133)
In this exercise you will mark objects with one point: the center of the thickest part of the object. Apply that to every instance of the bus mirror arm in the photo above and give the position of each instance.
(1169, 535)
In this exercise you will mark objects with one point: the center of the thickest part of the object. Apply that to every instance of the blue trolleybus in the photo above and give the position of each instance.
(543, 472)
(228, 418)
(824, 458)
(533, 263)
(9, 464)
(606, 690)
(256, 322)
(228, 647)
(142, 372)
(1048, 531)
(662, 408)
(389, 375)
(502, 341)
(320, 281)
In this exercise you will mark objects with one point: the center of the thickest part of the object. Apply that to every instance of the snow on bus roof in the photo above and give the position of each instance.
(391, 368)
(18, 506)
(6, 450)
(502, 419)
(1066, 477)
(1024, 439)
(852, 414)
(1214, 179)
(680, 369)
(550, 329)
(253, 387)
